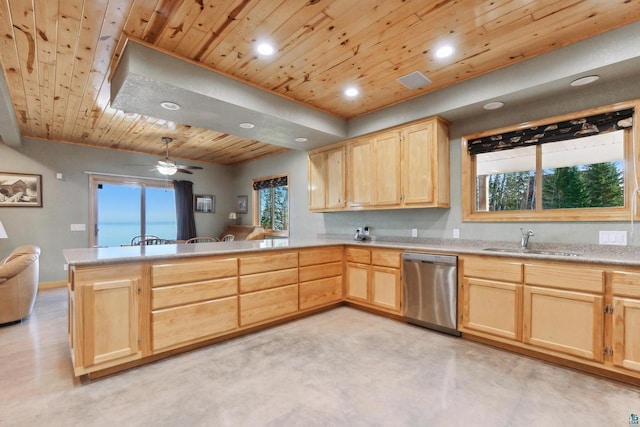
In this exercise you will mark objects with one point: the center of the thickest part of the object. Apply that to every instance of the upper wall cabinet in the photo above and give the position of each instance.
(327, 179)
(402, 167)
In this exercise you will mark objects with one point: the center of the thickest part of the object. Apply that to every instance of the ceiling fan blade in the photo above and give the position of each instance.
(184, 171)
(189, 167)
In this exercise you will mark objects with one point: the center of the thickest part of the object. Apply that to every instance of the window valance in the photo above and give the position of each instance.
(570, 129)
(280, 181)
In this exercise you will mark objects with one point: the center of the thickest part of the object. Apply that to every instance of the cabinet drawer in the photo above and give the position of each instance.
(193, 322)
(193, 271)
(189, 293)
(270, 304)
(573, 277)
(320, 292)
(268, 262)
(625, 284)
(361, 256)
(272, 279)
(493, 269)
(320, 256)
(386, 258)
(315, 272)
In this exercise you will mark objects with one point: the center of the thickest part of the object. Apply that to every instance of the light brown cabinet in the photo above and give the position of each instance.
(625, 322)
(327, 179)
(106, 307)
(491, 295)
(403, 167)
(320, 276)
(268, 287)
(373, 278)
(193, 301)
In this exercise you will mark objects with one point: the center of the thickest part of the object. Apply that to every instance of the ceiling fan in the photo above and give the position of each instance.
(167, 166)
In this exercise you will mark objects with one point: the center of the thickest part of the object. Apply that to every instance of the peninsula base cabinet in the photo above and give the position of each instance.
(587, 314)
(106, 327)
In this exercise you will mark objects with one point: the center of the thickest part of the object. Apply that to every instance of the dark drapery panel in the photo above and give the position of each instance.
(184, 209)
(280, 181)
(561, 131)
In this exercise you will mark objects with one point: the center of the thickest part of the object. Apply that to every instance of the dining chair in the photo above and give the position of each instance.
(227, 238)
(202, 240)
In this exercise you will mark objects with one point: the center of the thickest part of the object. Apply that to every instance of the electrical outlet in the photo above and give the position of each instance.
(456, 233)
(414, 232)
(65, 267)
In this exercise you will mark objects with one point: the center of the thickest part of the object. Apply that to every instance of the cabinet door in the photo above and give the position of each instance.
(357, 282)
(361, 173)
(110, 321)
(492, 307)
(335, 179)
(566, 321)
(386, 287)
(317, 177)
(626, 324)
(386, 166)
(419, 151)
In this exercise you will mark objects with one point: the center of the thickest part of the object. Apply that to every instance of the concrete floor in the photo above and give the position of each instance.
(343, 367)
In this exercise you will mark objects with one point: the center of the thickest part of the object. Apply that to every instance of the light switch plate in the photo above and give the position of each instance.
(414, 232)
(456, 233)
(613, 238)
(78, 227)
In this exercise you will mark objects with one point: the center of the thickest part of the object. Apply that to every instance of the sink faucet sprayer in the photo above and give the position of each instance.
(524, 239)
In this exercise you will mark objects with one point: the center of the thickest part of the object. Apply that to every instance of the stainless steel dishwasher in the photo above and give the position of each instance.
(430, 291)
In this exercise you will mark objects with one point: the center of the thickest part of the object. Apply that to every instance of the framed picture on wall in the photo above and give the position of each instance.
(204, 203)
(242, 203)
(20, 190)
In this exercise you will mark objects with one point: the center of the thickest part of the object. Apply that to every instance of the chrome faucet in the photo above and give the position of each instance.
(524, 239)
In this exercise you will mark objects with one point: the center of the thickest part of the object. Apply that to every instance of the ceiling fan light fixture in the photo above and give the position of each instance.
(167, 169)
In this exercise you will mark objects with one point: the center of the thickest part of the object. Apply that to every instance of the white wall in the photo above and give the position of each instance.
(66, 201)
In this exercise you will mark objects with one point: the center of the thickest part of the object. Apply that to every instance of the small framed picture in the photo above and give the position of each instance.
(242, 204)
(204, 203)
(20, 190)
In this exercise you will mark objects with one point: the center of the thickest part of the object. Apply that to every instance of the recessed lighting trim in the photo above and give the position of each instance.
(171, 106)
(265, 49)
(247, 125)
(493, 105)
(584, 80)
(351, 92)
(301, 139)
(444, 51)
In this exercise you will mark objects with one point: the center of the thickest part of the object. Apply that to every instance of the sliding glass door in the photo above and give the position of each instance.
(123, 208)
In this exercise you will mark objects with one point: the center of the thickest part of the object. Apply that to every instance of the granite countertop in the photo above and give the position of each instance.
(617, 255)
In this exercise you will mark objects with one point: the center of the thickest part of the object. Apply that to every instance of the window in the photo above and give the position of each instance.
(271, 197)
(123, 208)
(568, 169)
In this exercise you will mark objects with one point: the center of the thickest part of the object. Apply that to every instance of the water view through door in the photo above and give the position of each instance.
(127, 209)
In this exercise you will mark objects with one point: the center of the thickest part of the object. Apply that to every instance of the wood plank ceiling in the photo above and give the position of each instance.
(57, 56)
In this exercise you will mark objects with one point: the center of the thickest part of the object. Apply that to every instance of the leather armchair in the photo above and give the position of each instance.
(19, 274)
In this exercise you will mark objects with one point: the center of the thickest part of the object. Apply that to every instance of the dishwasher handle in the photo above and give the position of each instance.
(430, 258)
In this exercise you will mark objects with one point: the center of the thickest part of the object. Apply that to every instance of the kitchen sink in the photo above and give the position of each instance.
(533, 251)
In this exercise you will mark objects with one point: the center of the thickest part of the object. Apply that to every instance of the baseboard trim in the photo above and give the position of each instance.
(52, 285)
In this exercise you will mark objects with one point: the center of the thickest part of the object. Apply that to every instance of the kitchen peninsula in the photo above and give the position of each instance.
(131, 305)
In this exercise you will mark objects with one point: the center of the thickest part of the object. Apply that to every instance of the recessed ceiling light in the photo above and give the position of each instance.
(493, 105)
(584, 80)
(444, 51)
(265, 49)
(168, 105)
(351, 92)
(247, 125)
(301, 139)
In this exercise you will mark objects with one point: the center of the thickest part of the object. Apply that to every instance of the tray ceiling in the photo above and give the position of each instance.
(58, 58)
